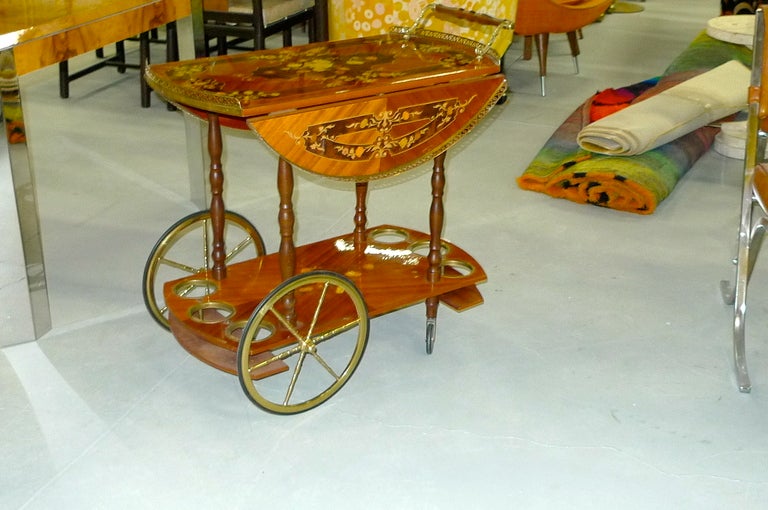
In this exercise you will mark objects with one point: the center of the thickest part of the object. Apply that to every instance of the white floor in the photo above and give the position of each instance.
(596, 375)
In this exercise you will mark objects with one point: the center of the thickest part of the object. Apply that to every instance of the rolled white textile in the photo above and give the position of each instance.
(670, 114)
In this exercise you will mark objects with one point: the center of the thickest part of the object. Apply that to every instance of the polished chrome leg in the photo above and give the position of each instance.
(739, 315)
(26, 312)
(753, 224)
(23, 287)
(737, 294)
(749, 254)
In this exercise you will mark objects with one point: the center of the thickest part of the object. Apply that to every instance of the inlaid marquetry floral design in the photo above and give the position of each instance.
(343, 139)
(253, 76)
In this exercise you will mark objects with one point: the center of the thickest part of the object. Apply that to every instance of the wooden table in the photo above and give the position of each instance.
(34, 34)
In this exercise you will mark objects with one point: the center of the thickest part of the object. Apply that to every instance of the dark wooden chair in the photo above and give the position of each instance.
(246, 24)
(119, 61)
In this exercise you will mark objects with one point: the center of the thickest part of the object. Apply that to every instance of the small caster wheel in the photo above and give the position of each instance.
(431, 332)
(315, 323)
(184, 249)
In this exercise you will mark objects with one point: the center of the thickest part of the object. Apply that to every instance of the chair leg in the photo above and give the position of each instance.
(750, 240)
(64, 79)
(542, 46)
(749, 245)
(171, 43)
(573, 41)
(527, 47)
(120, 56)
(171, 50)
(144, 62)
(119, 61)
(751, 233)
(311, 31)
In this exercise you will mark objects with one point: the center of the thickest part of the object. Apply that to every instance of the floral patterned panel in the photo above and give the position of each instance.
(360, 18)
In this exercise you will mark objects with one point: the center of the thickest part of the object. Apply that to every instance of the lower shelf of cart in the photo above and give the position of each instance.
(390, 269)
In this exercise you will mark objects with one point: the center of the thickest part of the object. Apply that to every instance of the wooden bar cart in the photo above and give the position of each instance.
(293, 325)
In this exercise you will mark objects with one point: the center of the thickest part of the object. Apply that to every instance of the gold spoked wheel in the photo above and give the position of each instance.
(184, 249)
(317, 325)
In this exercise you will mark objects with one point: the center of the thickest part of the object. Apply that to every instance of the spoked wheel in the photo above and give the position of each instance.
(184, 249)
(317, 325)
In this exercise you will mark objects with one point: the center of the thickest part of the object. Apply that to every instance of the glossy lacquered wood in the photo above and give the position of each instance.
(257, 83)
(390, 269)
(359, 110)
(382, 134)
(47, 32)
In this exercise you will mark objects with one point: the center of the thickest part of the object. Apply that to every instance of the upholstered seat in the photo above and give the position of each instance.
(233, 22)
(273, 10)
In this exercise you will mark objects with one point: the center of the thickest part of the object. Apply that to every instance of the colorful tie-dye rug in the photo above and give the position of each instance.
(637, 183)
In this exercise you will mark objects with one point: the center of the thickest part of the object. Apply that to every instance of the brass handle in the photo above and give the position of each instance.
(461, 14)
(467, 15)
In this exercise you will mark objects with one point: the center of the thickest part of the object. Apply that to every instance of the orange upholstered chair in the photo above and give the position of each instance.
(536, 19)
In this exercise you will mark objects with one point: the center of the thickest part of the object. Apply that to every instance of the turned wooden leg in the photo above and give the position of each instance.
(361, 190)
(436, 218)
(286, 219)
(435, 256)
(216, 176)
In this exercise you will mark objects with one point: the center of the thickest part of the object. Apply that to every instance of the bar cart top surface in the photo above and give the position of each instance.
(257, 83)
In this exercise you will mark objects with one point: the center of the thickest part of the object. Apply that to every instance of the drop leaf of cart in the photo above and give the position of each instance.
(293, 325)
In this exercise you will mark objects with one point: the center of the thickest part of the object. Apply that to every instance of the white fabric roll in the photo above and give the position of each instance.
(670, 114)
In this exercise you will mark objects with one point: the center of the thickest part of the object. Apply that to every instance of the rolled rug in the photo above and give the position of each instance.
(562, 169)
(670, 114)
(634, 184)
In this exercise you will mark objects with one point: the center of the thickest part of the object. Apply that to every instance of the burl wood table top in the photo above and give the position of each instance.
(256, 83)
(44, 32)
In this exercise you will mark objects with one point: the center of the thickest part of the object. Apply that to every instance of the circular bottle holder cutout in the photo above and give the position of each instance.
(460, 268)
(195, 289)
(389, 235)
(235, 331)
(422, 248)
(211, 312)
